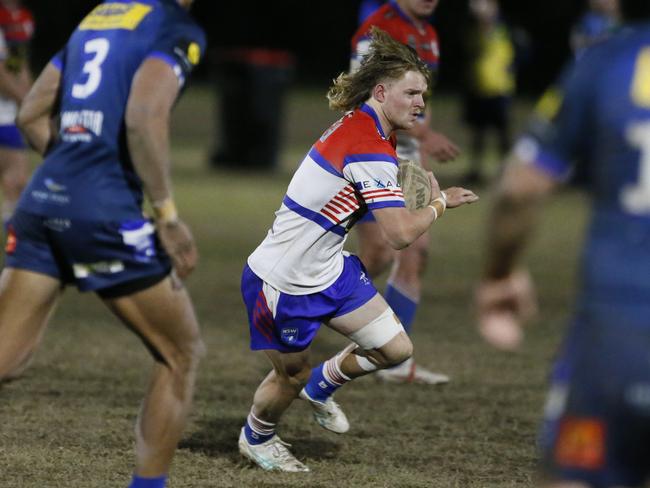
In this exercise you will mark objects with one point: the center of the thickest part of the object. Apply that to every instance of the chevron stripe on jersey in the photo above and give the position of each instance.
(350, 169)
(341, 206)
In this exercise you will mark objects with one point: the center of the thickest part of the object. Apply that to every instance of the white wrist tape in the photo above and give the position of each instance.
(435, 212)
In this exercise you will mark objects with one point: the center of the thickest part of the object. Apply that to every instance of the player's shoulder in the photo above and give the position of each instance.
(615, 49)
(386, 18)
(145, 15)
(355, 133)
(180, 16)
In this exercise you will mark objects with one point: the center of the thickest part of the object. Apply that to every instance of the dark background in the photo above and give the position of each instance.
(318, 33)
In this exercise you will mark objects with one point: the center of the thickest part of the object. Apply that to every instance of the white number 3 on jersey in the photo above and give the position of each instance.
(93, 68)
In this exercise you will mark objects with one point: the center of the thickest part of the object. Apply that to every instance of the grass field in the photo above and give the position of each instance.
(69, 421)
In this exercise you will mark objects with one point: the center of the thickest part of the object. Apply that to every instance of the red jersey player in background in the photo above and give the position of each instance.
(406, 21)
(16, 28)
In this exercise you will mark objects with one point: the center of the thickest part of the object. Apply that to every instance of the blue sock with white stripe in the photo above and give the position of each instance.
(140, 482)
(325, 379)
(403, 305)
(258, 431)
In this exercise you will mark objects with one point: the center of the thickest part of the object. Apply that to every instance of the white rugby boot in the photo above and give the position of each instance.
(328, 415)
(271, 455)
(409, 372)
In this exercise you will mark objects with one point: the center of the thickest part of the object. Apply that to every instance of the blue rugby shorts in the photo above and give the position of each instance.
(92, 255)
(10, 137)
(298, 317)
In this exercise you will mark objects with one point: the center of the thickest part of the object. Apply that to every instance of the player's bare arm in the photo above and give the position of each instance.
(505, 298)
(12, 86)
(402, 226)
(153, 93)
(432, 143)
(516, 211)
(34, 117)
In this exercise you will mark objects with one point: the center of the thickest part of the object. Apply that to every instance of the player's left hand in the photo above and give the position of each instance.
(502, 308)
(177, 240)
(438, 146)
(457, 196)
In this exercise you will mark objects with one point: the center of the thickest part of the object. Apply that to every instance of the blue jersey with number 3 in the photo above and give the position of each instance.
(599, 117)
(88, 174)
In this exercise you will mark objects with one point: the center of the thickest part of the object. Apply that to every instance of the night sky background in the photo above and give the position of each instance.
(317, 33)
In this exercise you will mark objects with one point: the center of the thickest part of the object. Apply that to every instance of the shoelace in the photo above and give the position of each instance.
(280, 450)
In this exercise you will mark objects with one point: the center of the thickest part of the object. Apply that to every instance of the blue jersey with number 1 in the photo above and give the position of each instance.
(600, 118)
(88, 174)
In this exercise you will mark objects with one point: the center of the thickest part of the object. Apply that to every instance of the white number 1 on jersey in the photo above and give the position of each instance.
(635, 198)
(99, 47)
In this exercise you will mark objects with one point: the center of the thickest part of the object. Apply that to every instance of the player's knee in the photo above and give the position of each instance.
(384, 340)
(397, 351)
(297, 375)
(184, 358)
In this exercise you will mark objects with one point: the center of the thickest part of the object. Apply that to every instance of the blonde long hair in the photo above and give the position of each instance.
(386, 60)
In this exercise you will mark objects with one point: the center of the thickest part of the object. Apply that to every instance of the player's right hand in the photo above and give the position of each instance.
(177, 240)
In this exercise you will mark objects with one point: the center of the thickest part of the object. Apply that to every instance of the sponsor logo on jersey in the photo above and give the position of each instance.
(84, 270)
(581, 443)
(57, 225)
(364, 278)
(116, 16)
(50, 197)
(139, 235)
(331, 130)
(376, 183)
(12, 242)
(81, 125)
(289, 335)
(194, 53)
(53, 186)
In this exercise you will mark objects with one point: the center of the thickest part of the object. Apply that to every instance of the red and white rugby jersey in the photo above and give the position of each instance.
(421, 36)
(390, 18)
(352, 168)
(16, 29)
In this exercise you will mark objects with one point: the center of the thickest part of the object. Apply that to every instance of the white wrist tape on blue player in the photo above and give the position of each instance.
(378, 332)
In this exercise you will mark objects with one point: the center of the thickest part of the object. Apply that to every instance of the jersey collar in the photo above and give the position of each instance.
(370, 111)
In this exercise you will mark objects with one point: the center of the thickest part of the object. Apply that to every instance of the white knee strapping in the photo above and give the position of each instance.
(378, 332)
(366, 365)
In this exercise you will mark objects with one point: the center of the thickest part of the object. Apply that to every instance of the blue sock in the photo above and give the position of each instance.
(140, 482)
(403, 306)
(325, 379)
(258, 431)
